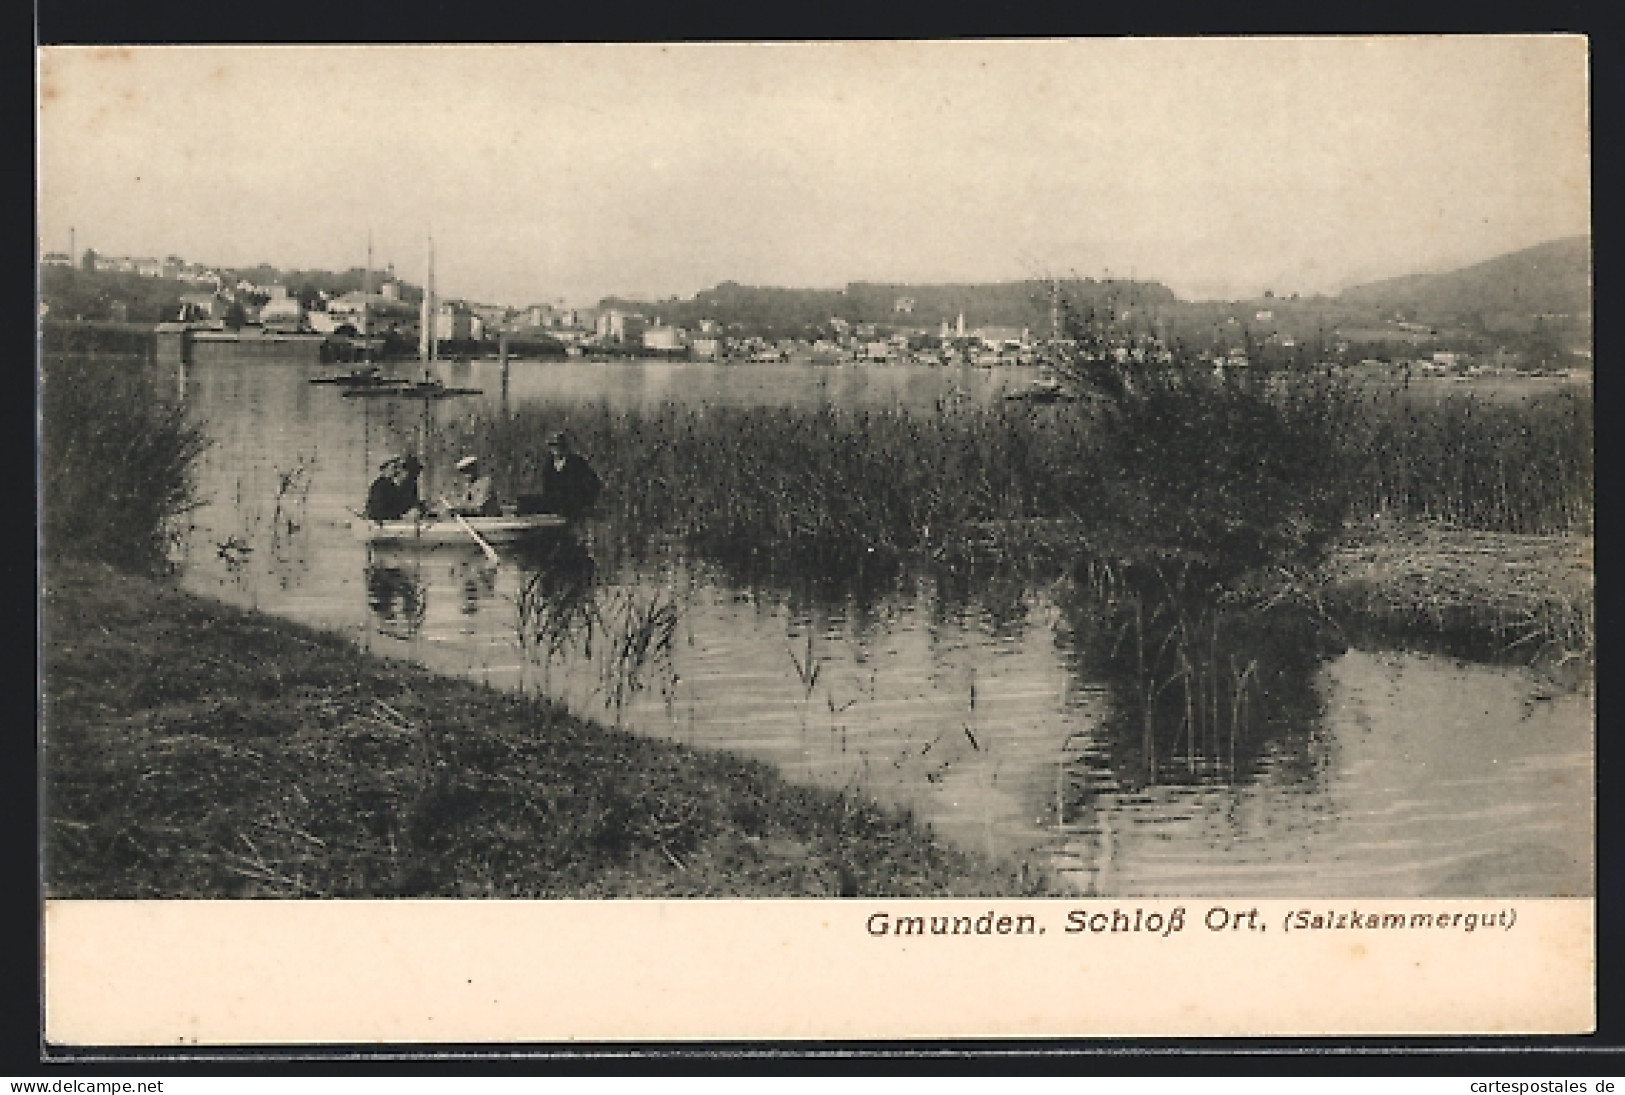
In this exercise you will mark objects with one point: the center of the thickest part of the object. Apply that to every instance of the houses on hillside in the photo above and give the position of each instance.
(173, 267)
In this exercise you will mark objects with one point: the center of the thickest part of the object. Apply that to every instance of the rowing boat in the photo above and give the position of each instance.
(366, 378)
(432, 531)
(1046, 389)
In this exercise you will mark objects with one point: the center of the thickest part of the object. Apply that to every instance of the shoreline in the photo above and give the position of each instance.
(193, 749)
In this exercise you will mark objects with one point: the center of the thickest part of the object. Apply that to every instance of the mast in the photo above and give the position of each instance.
(426, 345)
(366, 291)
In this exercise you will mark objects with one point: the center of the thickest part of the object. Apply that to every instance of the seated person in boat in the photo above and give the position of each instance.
(477, 498)
(569, 485)
(393, 495)
(411, 470)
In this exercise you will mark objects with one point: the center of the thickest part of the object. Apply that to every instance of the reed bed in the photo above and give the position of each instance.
(116, 463)
(1201, 684)
(630, 632)
(812, 487)
(833, 485)
(1517, 467)
(1178, 478)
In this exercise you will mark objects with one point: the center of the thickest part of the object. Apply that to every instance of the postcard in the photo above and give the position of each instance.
(819, 540)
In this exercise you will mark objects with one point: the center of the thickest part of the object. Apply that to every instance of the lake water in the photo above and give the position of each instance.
(971, 701)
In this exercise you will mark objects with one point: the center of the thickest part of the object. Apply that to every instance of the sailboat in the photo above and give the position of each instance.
(428, 387)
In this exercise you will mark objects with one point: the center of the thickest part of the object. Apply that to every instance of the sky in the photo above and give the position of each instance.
(1221, 167)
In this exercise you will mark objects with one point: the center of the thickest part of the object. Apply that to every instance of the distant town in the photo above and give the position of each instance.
(1528, 312)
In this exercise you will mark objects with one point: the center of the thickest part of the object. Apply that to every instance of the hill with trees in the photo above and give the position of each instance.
(800, 313)
(72, 292)
(1551, 278)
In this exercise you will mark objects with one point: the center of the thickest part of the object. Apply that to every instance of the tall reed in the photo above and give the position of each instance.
(116, 463)
(1238, 469)
(814, 487)
(1511, 466)
(563, 613)
(1207, 478)
(1201, 689)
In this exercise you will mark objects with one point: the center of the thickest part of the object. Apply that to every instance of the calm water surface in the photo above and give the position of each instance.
(1406, 774)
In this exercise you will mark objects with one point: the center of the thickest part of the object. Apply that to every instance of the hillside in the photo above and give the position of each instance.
(1549, 278)
(70, 292)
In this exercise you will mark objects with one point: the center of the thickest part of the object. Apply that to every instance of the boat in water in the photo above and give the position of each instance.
(358, 378)
(1046, 389)
(434, 531)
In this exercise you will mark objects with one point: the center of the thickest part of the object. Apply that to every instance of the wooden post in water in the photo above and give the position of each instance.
(502, 357)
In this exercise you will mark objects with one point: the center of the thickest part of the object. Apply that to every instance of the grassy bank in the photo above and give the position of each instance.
(193, 750)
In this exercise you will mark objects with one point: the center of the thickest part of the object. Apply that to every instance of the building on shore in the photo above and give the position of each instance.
(665, 339)
(282, 313)
(453, 322)
(1000, 338)
(375, 314)
(620, 327)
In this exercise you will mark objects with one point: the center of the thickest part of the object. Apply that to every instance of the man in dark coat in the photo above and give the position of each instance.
(569, 485)
(394, 494)
(411, 470)
(384, 501)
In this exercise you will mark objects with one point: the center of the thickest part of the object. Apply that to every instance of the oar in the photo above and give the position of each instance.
(490, 552)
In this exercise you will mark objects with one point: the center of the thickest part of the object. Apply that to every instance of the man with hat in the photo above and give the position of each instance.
(569, 485)
(477, 498)
(392, 495)
(411, 469)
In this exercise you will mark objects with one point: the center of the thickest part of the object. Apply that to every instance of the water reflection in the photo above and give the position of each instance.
(1200, 691)
(478, 581)
(395, 595)
(555, 599)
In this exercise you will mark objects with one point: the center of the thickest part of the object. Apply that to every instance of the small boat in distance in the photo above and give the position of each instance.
(358, 378)
(433, 531)
(1045, 389)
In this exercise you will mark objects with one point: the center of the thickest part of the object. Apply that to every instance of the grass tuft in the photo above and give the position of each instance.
(116, 464)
